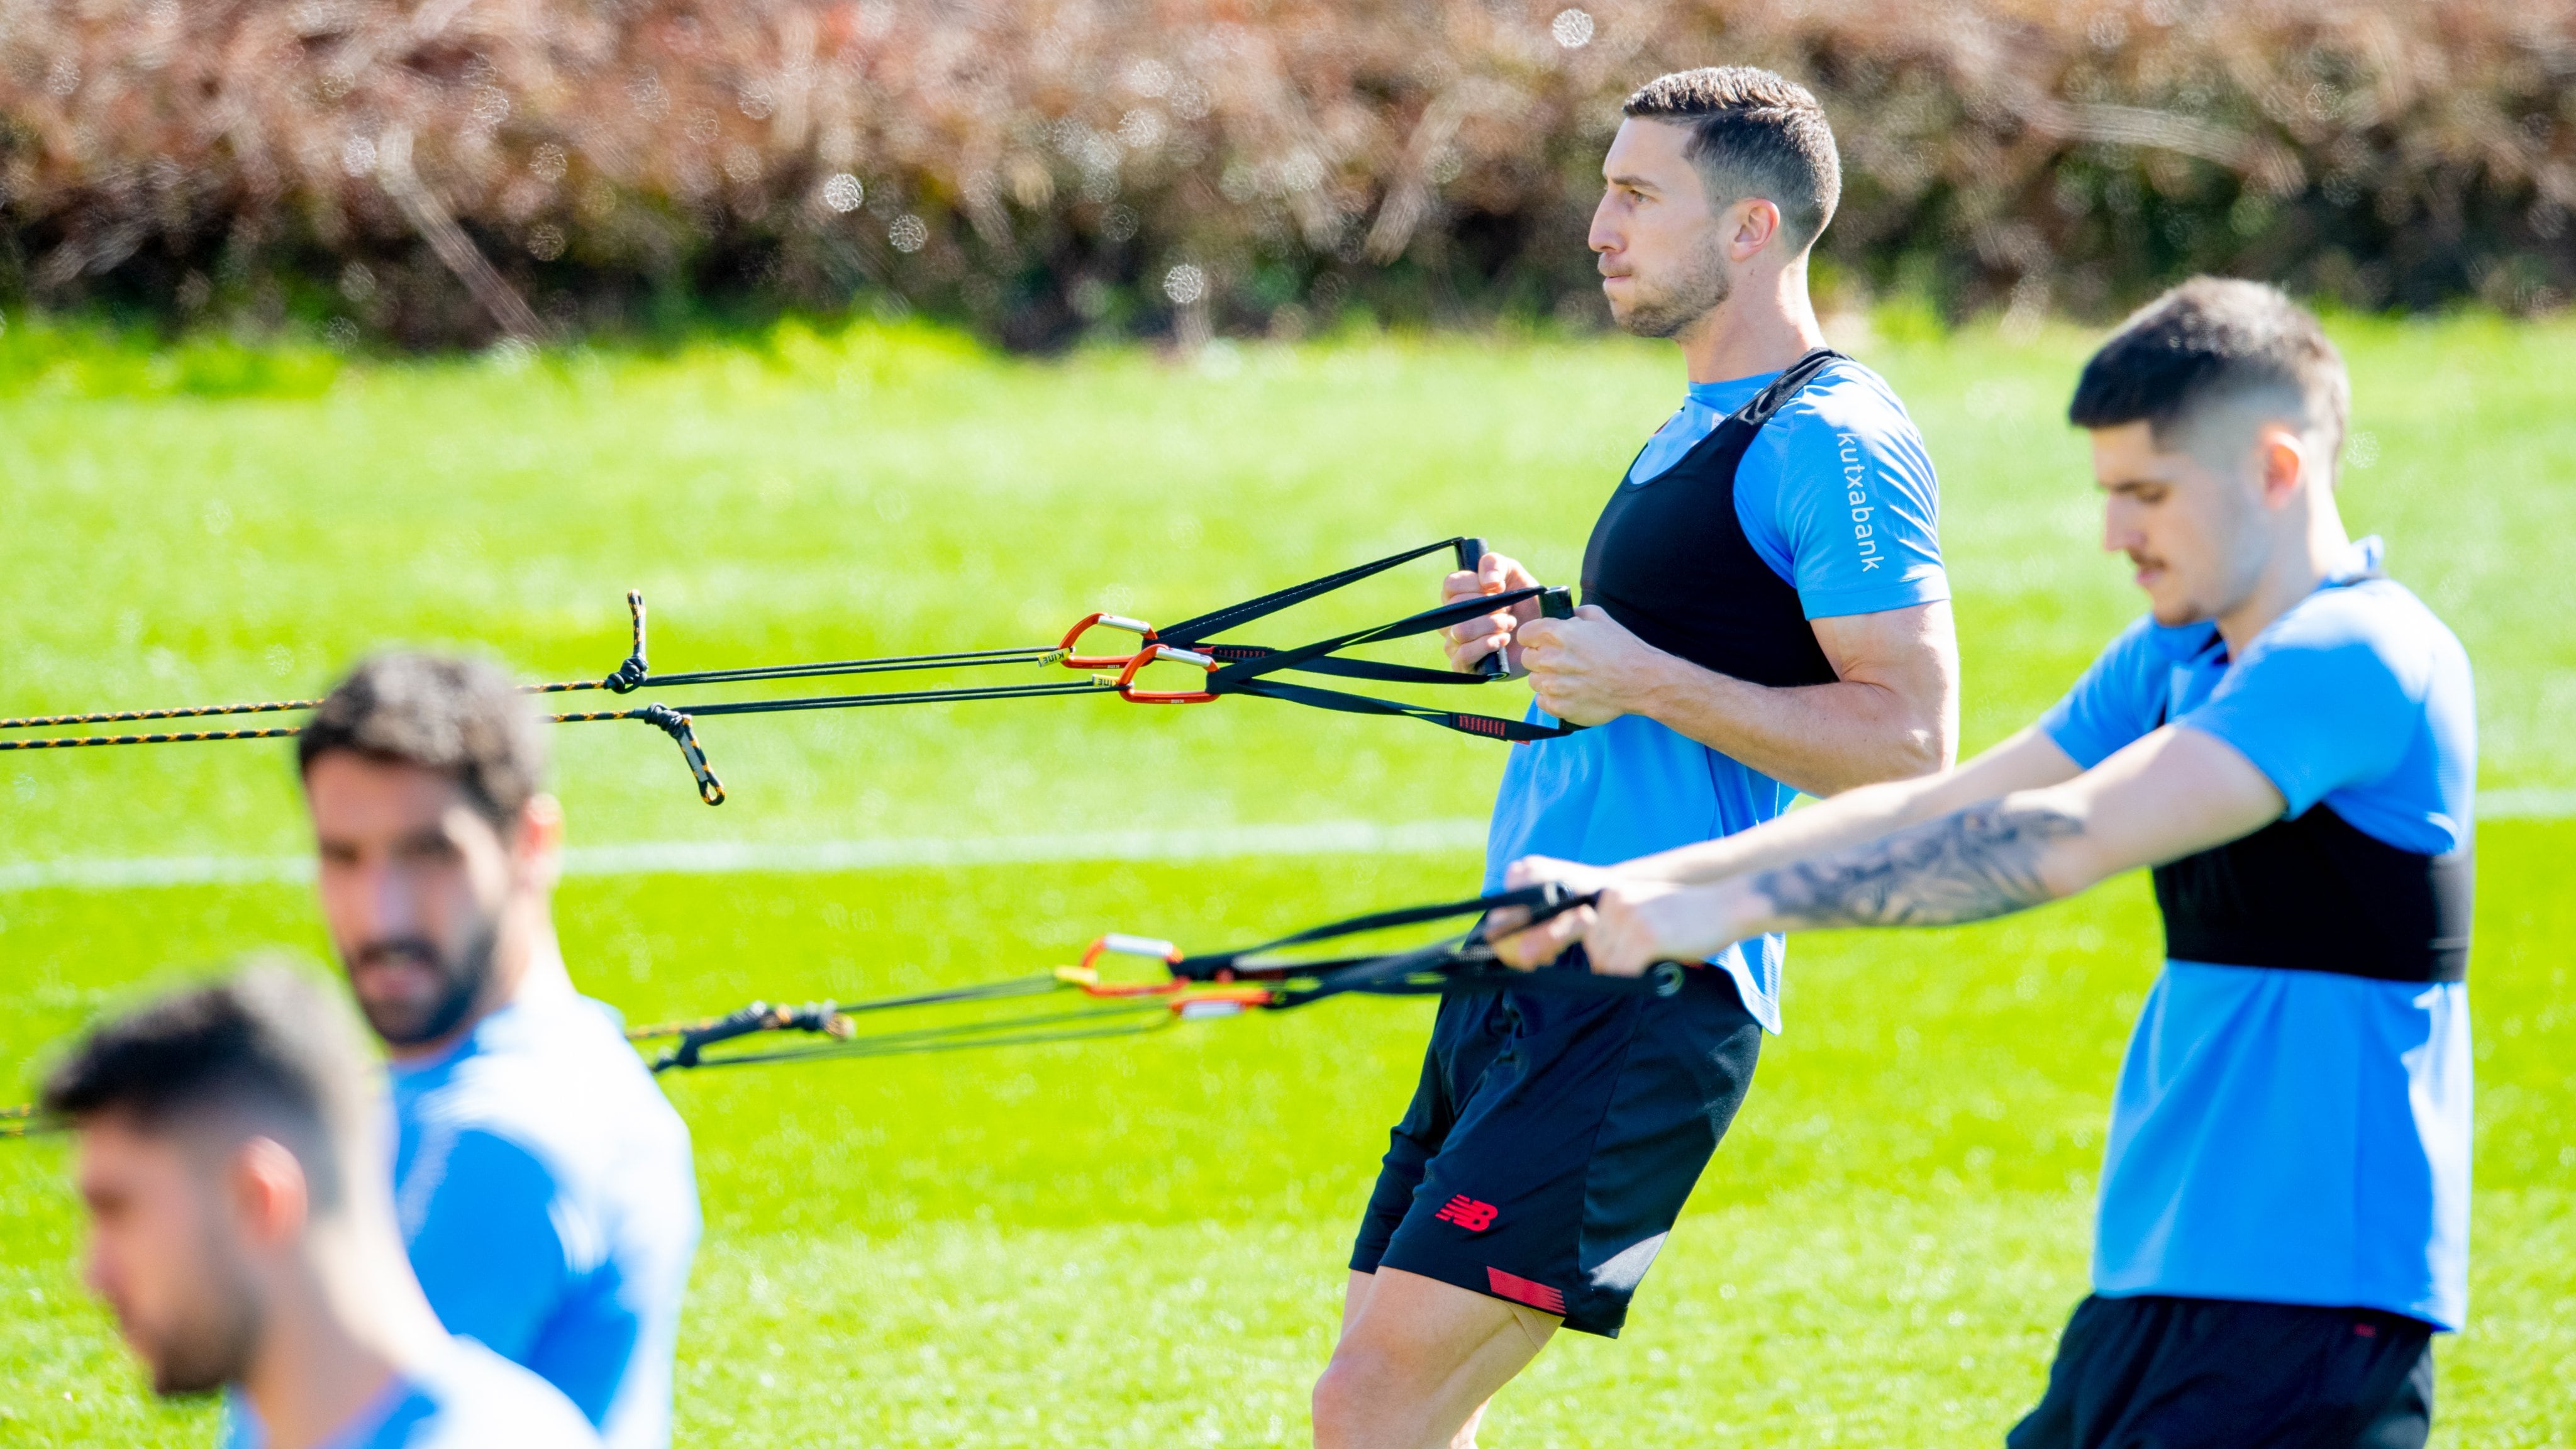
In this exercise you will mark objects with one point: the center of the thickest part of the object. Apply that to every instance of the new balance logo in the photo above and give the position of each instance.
(1467, 1213)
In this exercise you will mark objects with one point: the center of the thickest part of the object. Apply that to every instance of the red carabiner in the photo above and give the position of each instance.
(1071, 660)
(1222, 1001)
(1126, 680)
(1087, 975)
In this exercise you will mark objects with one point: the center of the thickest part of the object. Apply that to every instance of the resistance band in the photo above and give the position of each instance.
(1229, 669)
(1266, 977)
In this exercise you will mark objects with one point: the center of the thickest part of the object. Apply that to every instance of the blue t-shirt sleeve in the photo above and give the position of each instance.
(2316, 707)
(488, 1251)
(1853, 514)
(2116, 699)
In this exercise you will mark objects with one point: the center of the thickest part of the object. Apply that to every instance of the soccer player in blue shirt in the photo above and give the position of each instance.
(1764, 612)
(543, 1184)
(242, 1231)
(2289, 739)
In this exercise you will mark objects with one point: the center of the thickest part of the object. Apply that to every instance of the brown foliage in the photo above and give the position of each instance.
(429, 168)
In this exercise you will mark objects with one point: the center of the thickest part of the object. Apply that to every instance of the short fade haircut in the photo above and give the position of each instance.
(261, 1051)
(1752, 133)
(2211, 342)
(461, 718)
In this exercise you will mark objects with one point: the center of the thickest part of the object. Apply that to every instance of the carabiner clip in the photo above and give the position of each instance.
(1087, 974)
(1126, 680)
(1220, 1001)
(1071, 660)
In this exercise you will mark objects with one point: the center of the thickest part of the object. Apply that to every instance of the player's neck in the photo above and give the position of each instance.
(2312, 547)
(1765, 324)
(338, 1324)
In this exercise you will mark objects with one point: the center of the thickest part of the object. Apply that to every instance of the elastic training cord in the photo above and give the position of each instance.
(1222, 983)
(1231, 668)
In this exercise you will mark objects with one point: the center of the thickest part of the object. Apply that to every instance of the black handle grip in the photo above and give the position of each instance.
(1471, 551)
(1556, 602)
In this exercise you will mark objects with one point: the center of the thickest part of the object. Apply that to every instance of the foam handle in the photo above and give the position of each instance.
(1471, 551)
(1556, 602)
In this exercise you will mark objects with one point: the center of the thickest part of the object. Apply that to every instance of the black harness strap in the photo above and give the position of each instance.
(1189, 632)
(1246, 671)
(1456, 965)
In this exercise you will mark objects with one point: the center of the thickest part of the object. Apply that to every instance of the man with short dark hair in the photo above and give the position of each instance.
(1764, 612)
(543, 1185)
(242, 1234)
(2289, 739)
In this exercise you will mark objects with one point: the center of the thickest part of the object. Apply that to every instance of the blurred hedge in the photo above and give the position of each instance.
(437, 170)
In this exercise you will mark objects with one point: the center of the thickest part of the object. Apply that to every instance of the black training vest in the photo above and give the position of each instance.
(2318, 894)
(1669, 560)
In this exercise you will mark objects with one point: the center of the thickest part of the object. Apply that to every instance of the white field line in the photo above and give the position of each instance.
(682, 857)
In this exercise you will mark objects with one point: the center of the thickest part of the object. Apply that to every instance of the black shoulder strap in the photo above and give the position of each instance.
(1759, 408)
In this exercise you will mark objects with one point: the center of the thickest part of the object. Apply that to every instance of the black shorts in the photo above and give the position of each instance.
(2179, 1373)
(1554, 1139)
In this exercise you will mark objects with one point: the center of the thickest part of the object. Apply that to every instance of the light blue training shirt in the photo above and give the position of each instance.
(2298, 1136)
(546, 1193)
(1632, 786)
(547, 1198)
(469, 1398)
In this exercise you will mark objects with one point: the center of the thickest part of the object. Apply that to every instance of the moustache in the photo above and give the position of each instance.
(400, 951)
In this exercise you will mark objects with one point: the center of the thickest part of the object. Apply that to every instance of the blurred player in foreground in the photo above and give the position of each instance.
(2289, 740)
(241, 1230)
(543, 1185)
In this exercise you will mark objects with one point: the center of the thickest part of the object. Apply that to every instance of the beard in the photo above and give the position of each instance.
(211, 1344)
(1663, 307)
(460, 977)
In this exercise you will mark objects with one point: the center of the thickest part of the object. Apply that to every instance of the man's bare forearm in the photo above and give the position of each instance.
(1848, 819)
(1990, 859)
(1821, 738)
(2027, 761)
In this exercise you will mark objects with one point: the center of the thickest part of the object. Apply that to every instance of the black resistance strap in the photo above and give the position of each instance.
(1231, 669)
(1271, 976)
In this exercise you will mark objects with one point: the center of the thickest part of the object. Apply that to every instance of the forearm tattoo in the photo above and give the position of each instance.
(1979, 862)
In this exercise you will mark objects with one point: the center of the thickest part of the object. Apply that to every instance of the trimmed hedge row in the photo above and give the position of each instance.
(440, 171)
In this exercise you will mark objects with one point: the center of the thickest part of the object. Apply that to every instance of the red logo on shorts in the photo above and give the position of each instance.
(1467, 1213)
(1522, 1290)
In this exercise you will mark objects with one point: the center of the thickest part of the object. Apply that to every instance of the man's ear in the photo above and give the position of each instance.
(538, 839)
(270, 1197)
(2285, 460)
(1750, 225)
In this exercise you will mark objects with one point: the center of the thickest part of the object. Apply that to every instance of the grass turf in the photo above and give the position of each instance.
(1141, 1242)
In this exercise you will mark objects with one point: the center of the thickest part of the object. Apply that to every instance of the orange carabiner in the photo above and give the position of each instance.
(1087, 974)
(1222, 1001)
(1126, 680)
(1071, 660)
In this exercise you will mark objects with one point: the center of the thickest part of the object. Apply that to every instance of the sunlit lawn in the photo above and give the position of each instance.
(1141, 1242)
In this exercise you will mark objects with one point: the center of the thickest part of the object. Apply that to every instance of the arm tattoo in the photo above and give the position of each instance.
(1979, 862)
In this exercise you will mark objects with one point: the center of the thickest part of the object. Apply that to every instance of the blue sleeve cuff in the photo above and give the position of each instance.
(2080, 744)
(1918, 584)
(2276, 758)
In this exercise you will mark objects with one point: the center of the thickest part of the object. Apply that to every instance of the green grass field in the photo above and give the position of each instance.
(1141, 1242)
